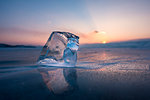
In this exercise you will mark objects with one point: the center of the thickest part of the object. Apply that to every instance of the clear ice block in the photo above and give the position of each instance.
(60, 50)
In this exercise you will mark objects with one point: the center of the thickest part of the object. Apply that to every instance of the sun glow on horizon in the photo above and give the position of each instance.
(103, 32)
(104, 42)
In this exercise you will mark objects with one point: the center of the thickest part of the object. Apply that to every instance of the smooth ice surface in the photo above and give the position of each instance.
(101, 74)
(60, 50)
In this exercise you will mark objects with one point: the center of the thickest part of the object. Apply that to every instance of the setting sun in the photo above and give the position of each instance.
(104, 42)
(103, 32)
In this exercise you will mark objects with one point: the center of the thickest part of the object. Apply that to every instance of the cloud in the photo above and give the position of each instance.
(91, 37)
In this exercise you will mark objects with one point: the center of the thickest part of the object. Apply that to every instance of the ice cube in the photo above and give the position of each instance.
(60, 50)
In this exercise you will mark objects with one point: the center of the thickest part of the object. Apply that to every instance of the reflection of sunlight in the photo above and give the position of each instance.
(104, 54)
(101, 69)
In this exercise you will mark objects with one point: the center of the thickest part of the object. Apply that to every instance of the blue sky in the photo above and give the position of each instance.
(32, 21)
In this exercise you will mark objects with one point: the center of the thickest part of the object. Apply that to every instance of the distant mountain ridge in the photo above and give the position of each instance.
(2, 45)
(140, 43)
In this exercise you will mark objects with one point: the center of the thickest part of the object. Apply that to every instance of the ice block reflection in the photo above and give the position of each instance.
(60, 81)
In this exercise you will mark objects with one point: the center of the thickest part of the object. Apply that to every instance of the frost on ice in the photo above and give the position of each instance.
(60, 50)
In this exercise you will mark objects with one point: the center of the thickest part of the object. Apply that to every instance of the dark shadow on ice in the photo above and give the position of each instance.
(10, 62)
(6, 71)
(60, 81)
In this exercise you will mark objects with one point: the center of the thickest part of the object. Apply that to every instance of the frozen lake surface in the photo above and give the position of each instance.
(100, 74)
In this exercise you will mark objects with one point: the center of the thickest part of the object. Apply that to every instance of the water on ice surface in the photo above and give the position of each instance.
(60, 50)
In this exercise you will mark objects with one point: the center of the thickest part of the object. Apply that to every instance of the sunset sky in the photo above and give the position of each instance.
(31, 22)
